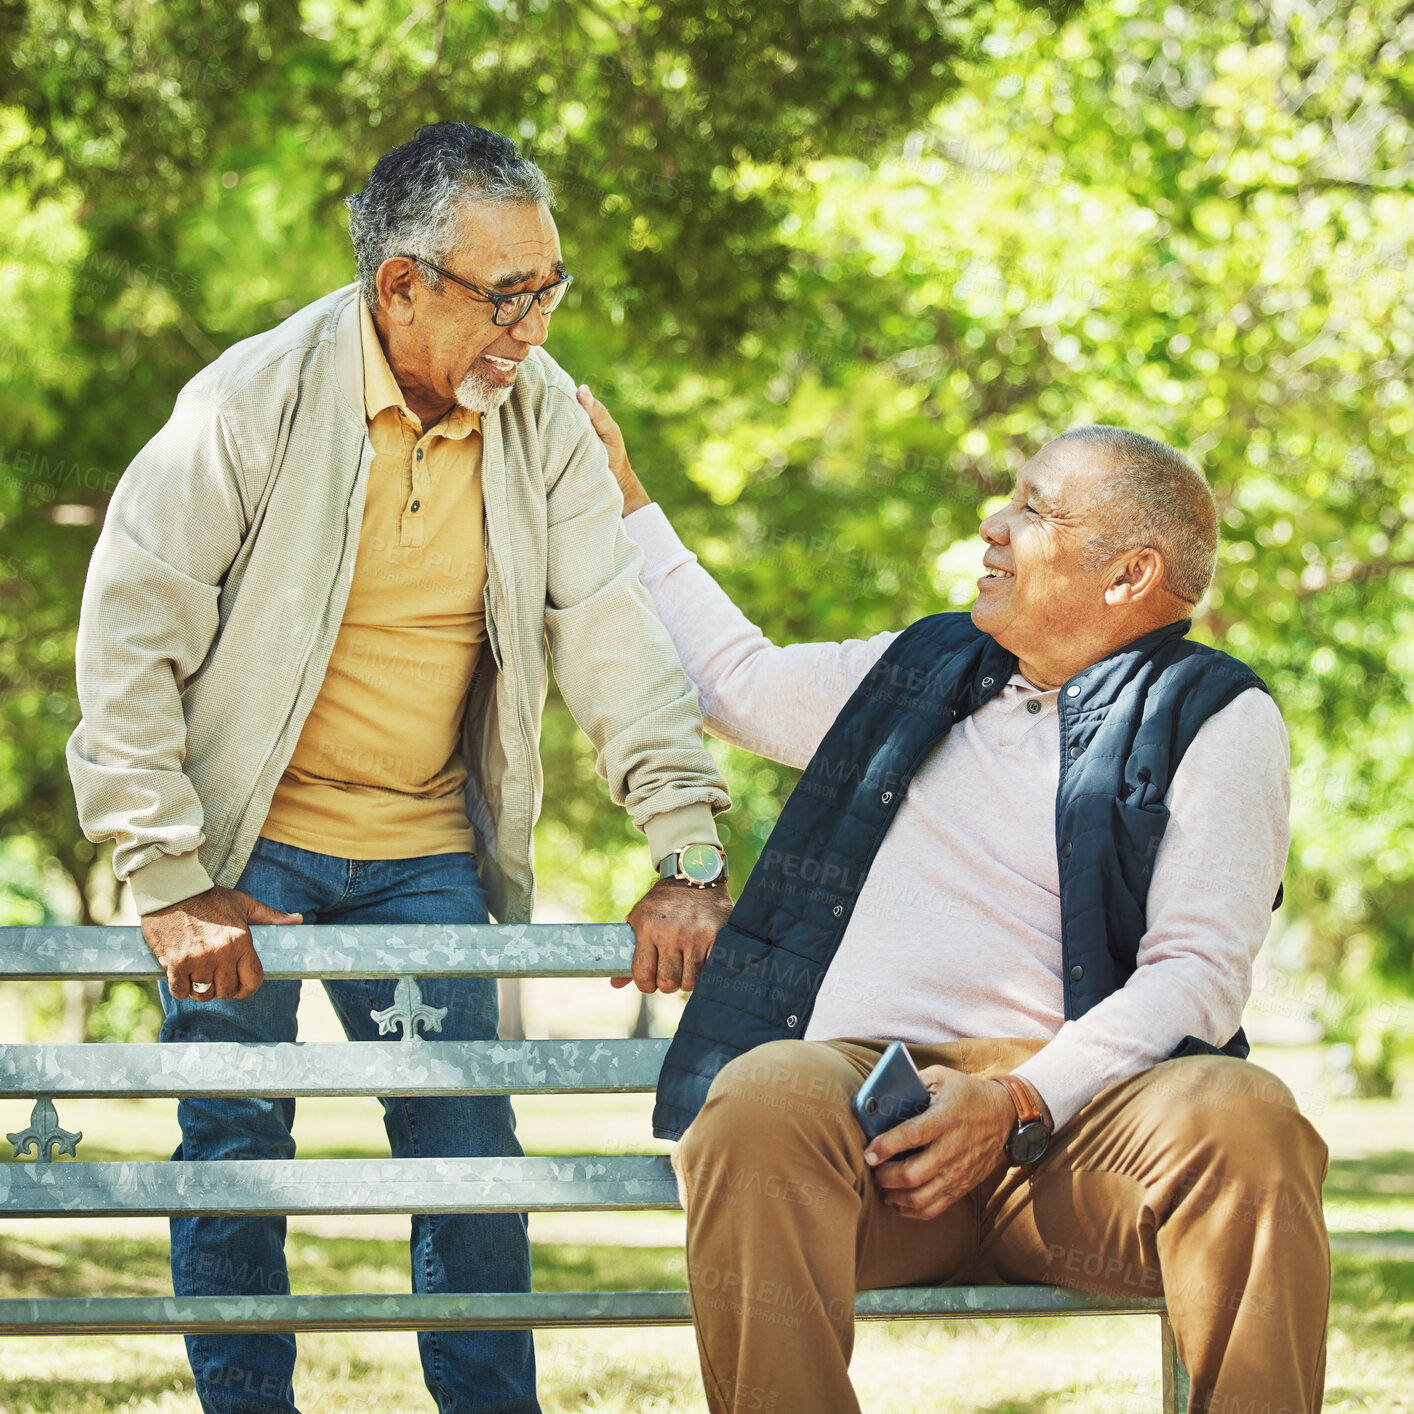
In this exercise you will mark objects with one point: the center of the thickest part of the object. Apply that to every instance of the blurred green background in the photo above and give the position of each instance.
(842, 266)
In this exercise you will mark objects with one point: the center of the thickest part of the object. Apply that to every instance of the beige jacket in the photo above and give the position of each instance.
(218, 585)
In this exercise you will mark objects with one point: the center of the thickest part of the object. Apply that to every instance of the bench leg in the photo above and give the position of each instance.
(1175, 1376)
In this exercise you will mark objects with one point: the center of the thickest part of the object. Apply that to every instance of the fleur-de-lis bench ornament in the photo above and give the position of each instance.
(44, 1133)
(408, 1011)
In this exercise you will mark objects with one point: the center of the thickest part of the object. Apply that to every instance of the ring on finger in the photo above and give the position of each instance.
(201, 988)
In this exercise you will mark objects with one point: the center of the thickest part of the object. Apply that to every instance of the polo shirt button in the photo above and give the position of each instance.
(1033, 706)
(1065, 850)
(1073, 690)
(839, 909)
(1076, 972)
(419, 454)
(416, 506)
(791, 1020)
(887, 796)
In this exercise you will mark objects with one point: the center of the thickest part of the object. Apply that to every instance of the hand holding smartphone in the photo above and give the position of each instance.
(892, 1093)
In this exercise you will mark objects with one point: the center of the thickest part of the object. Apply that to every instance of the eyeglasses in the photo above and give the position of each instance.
(509, 309)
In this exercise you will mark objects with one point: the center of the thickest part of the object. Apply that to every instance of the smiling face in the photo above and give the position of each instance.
(441, 344)
(1038, 598)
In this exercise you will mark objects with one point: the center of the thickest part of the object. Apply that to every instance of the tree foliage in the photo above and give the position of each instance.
(842, 267)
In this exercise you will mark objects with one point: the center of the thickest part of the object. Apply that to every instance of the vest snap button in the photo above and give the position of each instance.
(1065, 850)
(1074, 751)
(1073, 690)
(839, 909)
(987, 682)
(887, 796)
(1076, 972)
(790, 1021)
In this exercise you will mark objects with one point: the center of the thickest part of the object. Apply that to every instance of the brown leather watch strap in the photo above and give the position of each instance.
(1027, 1110)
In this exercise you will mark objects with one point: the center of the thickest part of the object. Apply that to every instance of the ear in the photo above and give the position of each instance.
(1135, 576)
(398, 287)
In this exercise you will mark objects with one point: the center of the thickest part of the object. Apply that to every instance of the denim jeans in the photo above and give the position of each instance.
(467, 1372)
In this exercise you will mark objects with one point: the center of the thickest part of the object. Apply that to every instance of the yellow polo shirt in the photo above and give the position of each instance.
(375, 774)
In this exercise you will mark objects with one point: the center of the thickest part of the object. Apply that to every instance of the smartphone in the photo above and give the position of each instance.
(893, 1093)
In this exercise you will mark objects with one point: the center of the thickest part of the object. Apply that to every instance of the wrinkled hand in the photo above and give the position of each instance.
(206, 938)
(634, 494)
(674, 926)
(961, 1135)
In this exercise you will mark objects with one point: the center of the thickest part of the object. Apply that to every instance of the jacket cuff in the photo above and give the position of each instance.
(166, 880)
(676, 829)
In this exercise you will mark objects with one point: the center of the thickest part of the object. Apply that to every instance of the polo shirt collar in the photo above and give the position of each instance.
(381, 391)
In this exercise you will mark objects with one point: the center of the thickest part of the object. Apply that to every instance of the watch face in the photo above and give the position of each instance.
(1028, 1142)
(701, 863)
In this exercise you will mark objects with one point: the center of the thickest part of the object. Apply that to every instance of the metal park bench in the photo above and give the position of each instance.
(50, 1074)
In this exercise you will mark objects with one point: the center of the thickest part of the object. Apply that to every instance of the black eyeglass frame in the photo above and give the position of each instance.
(535, 296)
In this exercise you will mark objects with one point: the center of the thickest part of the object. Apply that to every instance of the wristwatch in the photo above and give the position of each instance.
(1027, 1142)
(701, 865)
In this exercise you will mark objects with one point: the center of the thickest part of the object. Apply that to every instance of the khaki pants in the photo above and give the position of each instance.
(1198, 1180)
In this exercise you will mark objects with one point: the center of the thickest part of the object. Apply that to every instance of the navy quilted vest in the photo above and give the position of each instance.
(1125, 723)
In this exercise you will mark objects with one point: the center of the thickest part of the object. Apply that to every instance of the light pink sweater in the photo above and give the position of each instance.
(956, 932)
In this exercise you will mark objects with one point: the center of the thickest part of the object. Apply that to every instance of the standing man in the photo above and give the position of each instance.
(311, 662)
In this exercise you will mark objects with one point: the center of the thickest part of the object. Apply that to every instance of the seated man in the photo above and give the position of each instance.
(1039, 844)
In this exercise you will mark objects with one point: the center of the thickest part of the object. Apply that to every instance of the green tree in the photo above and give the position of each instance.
(843, 267)
(173, 181)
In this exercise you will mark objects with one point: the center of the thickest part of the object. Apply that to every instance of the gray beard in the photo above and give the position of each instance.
(477, 393)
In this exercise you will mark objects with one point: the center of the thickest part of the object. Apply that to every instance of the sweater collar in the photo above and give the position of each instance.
(1092, 685)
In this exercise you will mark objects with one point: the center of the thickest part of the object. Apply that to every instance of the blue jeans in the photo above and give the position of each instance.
(468, 1372)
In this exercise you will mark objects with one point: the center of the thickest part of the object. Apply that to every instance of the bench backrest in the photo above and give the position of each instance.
(45, 1073)
(50, 1073)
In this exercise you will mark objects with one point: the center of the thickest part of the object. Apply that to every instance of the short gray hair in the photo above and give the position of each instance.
(415, 192)
(1157, 499)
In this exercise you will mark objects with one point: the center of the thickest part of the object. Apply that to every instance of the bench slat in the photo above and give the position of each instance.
(217, 1314)
(190, 1068)
(618, 1182)
(333, 950)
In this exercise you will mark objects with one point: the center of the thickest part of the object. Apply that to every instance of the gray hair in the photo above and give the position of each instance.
(414, 194)
(1156, 499)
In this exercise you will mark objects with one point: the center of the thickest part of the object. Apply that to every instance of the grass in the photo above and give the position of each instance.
(974, 1367)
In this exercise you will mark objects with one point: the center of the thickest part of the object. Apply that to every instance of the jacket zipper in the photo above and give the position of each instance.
(492, 637)
(493, 569)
